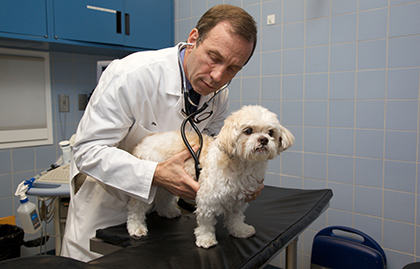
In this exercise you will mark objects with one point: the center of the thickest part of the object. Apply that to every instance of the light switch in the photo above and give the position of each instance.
(63, 100)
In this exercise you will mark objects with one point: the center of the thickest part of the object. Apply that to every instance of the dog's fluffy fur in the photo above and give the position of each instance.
(234, 166)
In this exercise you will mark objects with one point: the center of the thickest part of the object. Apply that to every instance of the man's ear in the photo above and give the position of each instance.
(193, 37)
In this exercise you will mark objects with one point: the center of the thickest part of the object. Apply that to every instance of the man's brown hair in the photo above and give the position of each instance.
(242, 23)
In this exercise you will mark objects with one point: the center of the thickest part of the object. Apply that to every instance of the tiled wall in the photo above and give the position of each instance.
(343, 76)
(71, 74)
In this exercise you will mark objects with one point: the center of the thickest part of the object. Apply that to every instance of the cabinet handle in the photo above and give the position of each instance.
(119, 22)
(127, 24)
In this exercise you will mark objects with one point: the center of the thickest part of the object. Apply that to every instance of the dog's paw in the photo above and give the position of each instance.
(137, 230)
(206, 241)
(169, 212)
(242, 231)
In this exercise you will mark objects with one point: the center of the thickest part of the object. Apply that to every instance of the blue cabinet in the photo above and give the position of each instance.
(150, 23)
(133, 23)
(91, 21)
(24, 17)
(130, 24)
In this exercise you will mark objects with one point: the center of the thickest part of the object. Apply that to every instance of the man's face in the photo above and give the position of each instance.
(216, 60)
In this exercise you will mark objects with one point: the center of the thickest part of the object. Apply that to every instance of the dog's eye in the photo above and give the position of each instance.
(271, 133)
(248, 131)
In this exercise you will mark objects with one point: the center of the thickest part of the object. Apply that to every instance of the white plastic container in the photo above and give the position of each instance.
(28, 215)
(66, 150)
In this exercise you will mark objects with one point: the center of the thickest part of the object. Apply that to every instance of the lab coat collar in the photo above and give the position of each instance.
(172, 73)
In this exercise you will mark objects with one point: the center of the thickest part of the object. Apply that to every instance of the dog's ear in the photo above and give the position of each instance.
(226, 139)
(286, 139)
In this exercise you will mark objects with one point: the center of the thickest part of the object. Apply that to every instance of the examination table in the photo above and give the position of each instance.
(279, 216)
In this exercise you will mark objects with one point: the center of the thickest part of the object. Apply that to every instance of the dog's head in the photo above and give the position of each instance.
(253, 133)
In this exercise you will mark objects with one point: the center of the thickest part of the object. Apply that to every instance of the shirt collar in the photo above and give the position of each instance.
(182, 54)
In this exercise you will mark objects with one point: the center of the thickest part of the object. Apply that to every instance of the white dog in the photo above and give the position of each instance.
(233, 166)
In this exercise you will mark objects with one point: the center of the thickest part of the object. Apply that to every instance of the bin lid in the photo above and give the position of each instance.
(11, 235)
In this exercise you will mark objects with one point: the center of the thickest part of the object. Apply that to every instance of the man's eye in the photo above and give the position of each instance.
(248, 131)
(214, 59)
(234, 69)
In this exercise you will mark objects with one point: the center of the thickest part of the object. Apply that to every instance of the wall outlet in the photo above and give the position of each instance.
(271, 19)
(63, 103)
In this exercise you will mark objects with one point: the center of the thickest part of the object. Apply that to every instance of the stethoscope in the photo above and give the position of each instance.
(191, 117)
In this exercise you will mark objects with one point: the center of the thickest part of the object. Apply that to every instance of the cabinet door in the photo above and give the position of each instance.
(26, 17)
(149, 24)
(96, 21)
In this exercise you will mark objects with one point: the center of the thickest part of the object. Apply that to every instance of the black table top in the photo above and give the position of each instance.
(278, 215)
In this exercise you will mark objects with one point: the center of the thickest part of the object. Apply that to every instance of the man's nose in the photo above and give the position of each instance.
(218, 72)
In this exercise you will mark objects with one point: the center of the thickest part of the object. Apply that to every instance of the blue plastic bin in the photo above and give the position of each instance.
(336, 247)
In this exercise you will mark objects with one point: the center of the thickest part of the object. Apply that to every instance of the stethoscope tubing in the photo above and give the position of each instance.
(195, 155)
(190, 116)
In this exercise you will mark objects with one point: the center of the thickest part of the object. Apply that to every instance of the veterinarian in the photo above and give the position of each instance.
(139, 95)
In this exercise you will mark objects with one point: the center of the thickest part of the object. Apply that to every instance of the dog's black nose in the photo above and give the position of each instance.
(263, 140)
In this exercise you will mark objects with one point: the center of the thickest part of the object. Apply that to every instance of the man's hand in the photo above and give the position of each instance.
(172, 176)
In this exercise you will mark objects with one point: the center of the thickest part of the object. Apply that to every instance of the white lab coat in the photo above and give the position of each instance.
(135, 96)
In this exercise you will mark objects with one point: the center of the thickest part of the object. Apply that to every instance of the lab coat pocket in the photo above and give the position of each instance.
(96, 208)
(81, 197)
